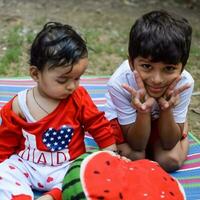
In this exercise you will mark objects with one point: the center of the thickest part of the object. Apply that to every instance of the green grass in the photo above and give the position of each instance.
(108, 42)
(12, 55)
(107, 48)
(193, 64)
(14, 44)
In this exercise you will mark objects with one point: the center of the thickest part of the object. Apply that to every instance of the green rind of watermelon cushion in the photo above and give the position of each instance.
(72, 188)
(104, 175)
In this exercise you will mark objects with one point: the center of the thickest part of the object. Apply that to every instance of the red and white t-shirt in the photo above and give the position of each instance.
(58, 137)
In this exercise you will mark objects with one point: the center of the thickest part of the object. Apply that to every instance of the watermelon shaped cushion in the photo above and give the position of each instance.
(103, 175)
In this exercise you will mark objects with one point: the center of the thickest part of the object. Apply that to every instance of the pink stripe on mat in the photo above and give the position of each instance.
(99, 101)
(190, 166)
(17, 82)
(29, 81)
(190, 181)
(193, 156)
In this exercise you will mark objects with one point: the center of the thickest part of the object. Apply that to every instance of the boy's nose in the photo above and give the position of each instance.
(157, 78)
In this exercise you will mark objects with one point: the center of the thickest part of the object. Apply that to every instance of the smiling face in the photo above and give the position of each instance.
(60, 82)
(156, 76)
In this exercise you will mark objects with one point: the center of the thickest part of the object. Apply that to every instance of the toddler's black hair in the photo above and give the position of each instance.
(57, 45)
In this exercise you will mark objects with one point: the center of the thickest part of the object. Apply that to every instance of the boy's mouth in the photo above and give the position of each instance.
(155, 91)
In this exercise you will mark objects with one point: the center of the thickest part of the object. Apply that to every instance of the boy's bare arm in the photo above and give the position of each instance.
(137, 134)
(170, 132)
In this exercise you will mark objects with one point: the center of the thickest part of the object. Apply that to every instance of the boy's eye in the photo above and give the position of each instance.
(169, 68)
(146, 66)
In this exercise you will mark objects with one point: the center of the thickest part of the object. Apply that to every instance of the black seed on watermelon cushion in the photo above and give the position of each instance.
(106, 191)
(100, 198)
(120, 195)
(172, 179)
(96, 172)
(108, 162)
(135, 167)
(171, 193)
(165, 178)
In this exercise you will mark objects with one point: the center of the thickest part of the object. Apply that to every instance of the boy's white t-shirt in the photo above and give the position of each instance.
(119, 100)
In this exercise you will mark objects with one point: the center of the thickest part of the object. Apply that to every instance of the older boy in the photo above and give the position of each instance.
(149, 93)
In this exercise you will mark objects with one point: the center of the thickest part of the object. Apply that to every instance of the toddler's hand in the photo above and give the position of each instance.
(141, 101)
(171, 97)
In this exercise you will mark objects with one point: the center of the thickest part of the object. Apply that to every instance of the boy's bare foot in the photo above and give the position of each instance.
(46, 197)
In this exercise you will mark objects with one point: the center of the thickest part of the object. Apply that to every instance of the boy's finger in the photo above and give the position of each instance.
(174, 100)
(136, 102)
(138, 80)
(163, 103)
(181, 89)
(131, 90)
(174, 83)
(171, 91)
(149, 102)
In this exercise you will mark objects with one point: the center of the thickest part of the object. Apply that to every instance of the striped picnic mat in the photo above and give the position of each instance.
(188, 175)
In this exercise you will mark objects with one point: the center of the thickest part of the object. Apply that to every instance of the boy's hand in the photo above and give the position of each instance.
(141, 101)
(172, 95)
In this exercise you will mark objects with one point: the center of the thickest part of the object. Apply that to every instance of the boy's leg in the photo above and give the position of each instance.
(122, 146)
(125, 150)
(172, 159)
(46, 197)
(14, 183)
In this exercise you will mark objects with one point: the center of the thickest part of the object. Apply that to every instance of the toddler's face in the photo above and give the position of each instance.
(58, 83)
(157, 76)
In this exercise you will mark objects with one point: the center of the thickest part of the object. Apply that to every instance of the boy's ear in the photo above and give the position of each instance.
(131, 64)
(34, 73)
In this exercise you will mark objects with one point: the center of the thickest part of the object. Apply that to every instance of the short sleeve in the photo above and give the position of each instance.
(180, 111)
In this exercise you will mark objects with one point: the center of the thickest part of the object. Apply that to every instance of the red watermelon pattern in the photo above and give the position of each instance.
(106, 176)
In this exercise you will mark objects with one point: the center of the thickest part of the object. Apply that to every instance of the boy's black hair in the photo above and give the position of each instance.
(160, 37)
(57, 45)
